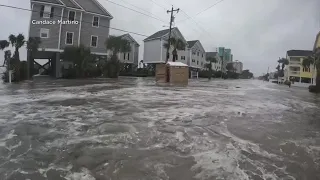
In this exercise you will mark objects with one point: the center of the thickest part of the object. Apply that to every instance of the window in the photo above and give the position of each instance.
(94, 41)
(202, 55)
(194, 53)
(95, 22)
(128, 56)
(124, 56)
(46, 11)
(201, 63)
(197, 62)
(44, 33)
(193, 60)
(183, 58)
(69, 38)
(72, 16)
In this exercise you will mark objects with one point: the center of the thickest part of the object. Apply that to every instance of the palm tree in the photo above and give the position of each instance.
(17, 42)
(209, 65)
(115, 44)
(176, 44)
(32, 47)
(314, 59)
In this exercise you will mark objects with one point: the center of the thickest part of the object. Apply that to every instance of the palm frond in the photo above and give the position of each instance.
(12, 39)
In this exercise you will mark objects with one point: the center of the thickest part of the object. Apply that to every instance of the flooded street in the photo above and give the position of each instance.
(131, 129)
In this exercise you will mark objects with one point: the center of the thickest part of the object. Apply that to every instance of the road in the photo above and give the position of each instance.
(131, 129)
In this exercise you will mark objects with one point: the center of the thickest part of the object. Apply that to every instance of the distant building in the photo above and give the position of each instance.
(238, 66)
(215, 66)
(155, 52)
(225, 56)
(296, 71)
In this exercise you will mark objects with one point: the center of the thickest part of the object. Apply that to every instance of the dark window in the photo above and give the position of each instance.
(201, 63)
(72, 15)
(202, 55)
(193, 60)
(197, 62)
(52, 12)
(94, 41)
(128, 56)
(69, 39)
(124, 56)
(95, 22)
(41, 11)
(183, 58)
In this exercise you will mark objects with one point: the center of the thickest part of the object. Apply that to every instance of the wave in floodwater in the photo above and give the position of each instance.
(133, 129)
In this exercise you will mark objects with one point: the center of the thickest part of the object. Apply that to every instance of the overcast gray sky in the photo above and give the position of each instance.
(257, 31)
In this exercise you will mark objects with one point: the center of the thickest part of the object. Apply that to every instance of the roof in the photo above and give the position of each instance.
(124, 35)
(157, 34)
(211, 54)
(176, 64)
(192, 43)
(301, 53)
(92, 6)
(70, 3)
(50, 1)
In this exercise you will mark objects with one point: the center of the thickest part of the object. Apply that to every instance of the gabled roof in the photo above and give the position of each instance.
(70, 3)
(91, 6)
(158, 34)
(211, 54)
(130, 37)
(192, 43)
(301, 53)
(50, 1)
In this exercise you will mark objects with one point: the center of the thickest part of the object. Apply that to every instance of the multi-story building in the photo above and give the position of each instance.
(225, 56)
(215, 66)
(238, 66)
(295, 70)
(62, 23)
(130, 58)
(155, 52)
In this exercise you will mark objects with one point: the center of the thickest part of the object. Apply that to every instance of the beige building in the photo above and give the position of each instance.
(301, 75)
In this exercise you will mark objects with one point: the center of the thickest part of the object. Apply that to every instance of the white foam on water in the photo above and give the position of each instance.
(83, 175)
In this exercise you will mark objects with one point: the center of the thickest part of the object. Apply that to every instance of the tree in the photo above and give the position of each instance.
(80, 57)
(230, 67)
(115, 44)
(209, 65)
(246, 74)
(32, 47)
(4, 44)
(314, 59)
(17, 42)
(175, 44)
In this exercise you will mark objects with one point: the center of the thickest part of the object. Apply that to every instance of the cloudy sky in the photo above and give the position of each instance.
(257, 31)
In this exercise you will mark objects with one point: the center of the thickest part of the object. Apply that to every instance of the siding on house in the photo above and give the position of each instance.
(90, 9)
(54, 29)
(152, 51)
(87, 30)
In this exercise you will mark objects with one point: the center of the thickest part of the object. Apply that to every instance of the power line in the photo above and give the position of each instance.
(13, 7)
(158, 4)
(202, 11)
(140, 8)
(135, 10)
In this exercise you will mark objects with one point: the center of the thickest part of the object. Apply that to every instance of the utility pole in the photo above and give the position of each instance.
(171, 21)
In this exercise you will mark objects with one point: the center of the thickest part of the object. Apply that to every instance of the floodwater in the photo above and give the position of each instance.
(131, 129)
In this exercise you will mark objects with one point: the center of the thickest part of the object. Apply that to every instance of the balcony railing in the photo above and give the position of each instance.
(295, 72)
(295, 63)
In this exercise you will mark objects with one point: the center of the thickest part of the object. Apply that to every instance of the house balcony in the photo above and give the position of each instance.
(294, 73)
